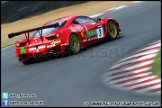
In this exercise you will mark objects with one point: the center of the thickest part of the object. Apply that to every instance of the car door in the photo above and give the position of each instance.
(99, 31)
(94, 30)
(90, 27)
(81, 22)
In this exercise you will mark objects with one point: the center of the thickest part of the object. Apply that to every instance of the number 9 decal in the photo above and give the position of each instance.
(100, 33)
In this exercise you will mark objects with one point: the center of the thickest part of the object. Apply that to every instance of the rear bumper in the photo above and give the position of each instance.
(40, 53)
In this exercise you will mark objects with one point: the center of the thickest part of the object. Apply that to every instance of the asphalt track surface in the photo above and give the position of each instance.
(72, 80)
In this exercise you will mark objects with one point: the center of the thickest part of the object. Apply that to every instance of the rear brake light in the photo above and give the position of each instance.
(58, 35)
(17, 44)
(53, 37)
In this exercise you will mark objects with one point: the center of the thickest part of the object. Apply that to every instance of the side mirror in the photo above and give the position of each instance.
(98, 19)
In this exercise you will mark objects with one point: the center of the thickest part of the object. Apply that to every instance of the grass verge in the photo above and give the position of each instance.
(156, 69)
(7, 46)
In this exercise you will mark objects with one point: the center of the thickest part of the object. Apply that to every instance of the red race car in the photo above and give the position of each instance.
(67, 34)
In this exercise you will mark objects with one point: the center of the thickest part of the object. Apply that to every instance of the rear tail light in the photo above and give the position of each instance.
(53, 37)
(17, 44)
(58, 35)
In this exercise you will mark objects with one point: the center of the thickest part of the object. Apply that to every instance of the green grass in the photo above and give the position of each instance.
(6, 46)
(157, 65)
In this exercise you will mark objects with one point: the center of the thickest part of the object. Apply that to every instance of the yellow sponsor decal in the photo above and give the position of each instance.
(56, 42)
(82, 34)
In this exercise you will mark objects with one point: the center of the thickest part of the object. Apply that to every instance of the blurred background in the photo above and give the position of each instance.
(16, 10)
(23, 15)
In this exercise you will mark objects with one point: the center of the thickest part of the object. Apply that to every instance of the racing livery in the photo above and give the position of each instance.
(59, 36)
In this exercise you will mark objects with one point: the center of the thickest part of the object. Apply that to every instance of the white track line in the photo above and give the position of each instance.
(137, 1)
(7, 47)
(128, 73)
(93, 16)
(150, 47)
(134, 60)
(149, 88)
(120, 7)
(159, 41)
(132, 67)
(135, 81)
(112, 9)
(145, 84)
(128, 78)
(141, 54)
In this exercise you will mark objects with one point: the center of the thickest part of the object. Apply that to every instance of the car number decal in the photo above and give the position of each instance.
(100, 32)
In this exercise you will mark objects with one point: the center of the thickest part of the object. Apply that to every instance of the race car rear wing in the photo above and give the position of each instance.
(11, 35)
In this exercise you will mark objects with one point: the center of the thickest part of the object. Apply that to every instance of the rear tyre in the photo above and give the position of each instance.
(74, 46)
(112, 30)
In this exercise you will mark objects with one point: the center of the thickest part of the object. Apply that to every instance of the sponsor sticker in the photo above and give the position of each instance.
(93, 38)
(76, 28)
(82, 34)
(22, 50)
(49, 46)
(84, 40)
(91, 33)
(56, 42)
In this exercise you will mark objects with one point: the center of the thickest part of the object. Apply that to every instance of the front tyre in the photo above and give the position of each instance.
(112, 30)
(74, 46)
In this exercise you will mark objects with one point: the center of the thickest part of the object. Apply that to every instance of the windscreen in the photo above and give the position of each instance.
(49, 30)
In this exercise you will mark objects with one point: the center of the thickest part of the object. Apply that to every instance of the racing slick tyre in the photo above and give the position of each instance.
(112, 30)
(74, 46)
